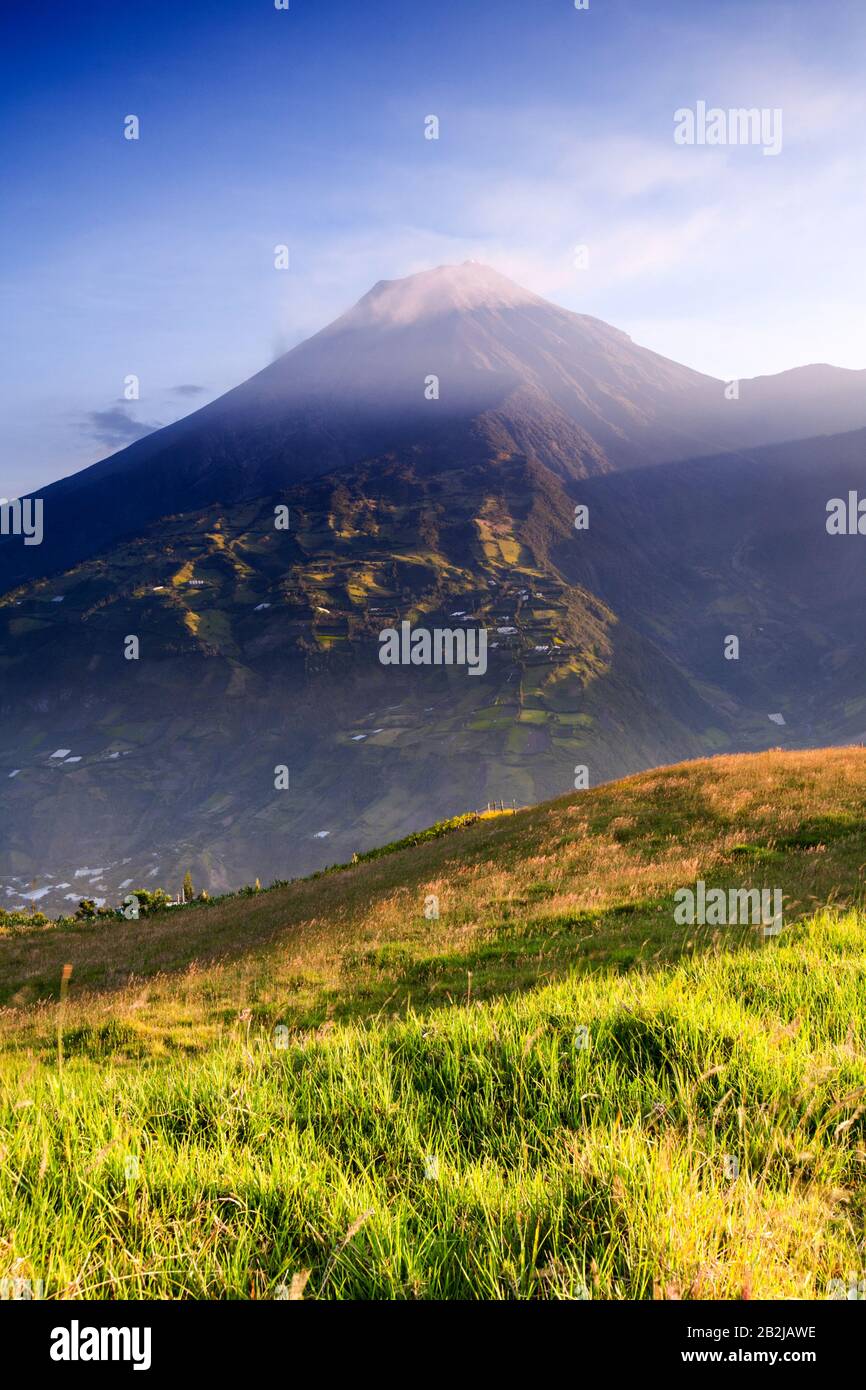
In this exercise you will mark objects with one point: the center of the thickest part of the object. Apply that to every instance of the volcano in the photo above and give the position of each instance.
(444, 363)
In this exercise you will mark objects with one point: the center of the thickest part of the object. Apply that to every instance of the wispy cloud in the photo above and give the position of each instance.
(116, 426)
(721, 249)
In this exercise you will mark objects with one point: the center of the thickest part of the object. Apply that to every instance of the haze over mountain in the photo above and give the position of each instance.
(259, 646)
(516, 375)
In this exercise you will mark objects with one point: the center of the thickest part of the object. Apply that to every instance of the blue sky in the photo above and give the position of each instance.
(306, 127)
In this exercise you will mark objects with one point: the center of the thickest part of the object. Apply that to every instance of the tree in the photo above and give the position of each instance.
(188, 890)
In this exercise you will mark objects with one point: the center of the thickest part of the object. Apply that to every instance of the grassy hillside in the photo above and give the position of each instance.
(318, 1089)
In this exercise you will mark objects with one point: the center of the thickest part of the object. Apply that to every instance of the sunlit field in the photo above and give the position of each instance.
(548, 1091)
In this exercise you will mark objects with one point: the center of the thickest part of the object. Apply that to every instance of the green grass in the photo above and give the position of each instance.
(317, 1090)
(559, 1169)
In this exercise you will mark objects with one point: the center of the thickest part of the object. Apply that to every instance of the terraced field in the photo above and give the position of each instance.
(258, 647)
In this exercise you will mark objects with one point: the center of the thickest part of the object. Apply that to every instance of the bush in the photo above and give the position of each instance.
(22, 919)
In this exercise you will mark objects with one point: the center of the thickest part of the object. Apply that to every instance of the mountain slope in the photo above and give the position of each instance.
(738, 546)
(517, 375)
(552, 1090)
(259, 650)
